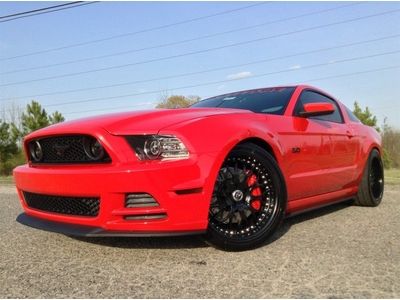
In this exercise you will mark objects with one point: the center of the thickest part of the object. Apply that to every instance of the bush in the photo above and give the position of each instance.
(391, 146)
(17, 160)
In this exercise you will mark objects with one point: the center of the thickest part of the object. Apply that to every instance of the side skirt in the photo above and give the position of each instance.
(307, 204)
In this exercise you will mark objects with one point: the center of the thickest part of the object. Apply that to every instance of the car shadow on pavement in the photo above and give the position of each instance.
(174, 242)
(306, 216)
(196, 241)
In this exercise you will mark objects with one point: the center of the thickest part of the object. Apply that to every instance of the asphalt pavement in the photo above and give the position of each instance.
(341, 251)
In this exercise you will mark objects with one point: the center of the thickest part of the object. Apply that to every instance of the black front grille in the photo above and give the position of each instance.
(65, 149)
(80, 206)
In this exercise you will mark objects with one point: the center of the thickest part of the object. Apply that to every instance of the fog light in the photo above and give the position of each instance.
(36, 151)
(93, 149)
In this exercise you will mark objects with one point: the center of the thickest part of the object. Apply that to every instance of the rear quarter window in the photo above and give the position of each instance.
(351, 116)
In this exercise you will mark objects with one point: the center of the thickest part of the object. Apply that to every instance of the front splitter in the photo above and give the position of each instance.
(89, 231)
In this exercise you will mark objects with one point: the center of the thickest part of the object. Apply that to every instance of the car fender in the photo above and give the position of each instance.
(370, 139)
(223, 134)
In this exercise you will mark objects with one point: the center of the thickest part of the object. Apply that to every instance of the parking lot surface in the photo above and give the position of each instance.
(340, 251)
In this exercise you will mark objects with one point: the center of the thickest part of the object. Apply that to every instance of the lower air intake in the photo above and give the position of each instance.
(79, 206)
(146, 217)
(139, 200)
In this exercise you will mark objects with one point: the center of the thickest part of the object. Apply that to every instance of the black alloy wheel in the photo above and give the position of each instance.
(376, 178)
(370, 190)
(248, 201)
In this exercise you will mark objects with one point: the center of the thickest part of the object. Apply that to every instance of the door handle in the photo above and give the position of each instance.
(349, 134)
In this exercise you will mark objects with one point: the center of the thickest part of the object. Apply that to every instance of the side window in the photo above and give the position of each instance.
(308, 96)
(352, 117)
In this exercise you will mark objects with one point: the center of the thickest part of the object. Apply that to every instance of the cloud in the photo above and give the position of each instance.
(295, 67)
(240, 75)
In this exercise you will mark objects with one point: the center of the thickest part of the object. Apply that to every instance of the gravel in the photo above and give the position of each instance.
(341, 251)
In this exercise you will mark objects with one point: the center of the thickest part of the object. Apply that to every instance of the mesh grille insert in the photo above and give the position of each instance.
(80, 206)
(66, 149)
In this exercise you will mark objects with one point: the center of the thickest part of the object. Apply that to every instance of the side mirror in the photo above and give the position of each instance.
(317, 109)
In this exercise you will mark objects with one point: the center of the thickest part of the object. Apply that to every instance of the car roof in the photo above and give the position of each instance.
(300, 86)
(253, 90)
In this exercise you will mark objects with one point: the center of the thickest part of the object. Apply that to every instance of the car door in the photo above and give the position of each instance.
(326, 146)
(319, 158)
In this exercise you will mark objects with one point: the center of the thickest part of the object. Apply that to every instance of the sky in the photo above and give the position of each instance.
(120, 56)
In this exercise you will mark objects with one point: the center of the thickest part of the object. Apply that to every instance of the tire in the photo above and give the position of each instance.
(248, 201)
(370, 191)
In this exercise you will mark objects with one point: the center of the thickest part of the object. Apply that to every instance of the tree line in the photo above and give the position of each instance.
(16, 124)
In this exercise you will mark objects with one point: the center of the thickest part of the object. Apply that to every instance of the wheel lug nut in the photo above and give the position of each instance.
(237, 195)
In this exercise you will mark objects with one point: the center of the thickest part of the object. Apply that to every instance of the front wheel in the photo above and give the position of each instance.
(248, 201)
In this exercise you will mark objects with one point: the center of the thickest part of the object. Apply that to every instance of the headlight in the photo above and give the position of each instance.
(151, 147)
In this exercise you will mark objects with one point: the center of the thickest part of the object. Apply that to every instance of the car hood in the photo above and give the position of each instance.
(137, 122)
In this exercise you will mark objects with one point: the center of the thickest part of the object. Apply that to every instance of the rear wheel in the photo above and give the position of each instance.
(370, 191)
(248, 201)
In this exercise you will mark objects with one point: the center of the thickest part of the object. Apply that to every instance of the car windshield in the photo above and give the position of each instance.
(267, 101)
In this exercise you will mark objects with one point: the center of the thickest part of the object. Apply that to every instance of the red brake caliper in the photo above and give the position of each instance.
(255, 203)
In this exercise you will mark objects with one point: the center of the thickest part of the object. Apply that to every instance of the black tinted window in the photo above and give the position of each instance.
(352, 117)
(314, 97)
(268, 101)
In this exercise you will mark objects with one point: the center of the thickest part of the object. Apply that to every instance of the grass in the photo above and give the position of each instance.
(6, 180)
(392, 176)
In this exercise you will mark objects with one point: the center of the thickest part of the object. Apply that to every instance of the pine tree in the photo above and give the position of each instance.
(56, 117)
(36, 117)
(365, 116)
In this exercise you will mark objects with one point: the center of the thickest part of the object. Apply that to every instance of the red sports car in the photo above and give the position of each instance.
(231, 167)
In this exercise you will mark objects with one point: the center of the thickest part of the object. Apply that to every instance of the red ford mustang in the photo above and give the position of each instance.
(231, 167)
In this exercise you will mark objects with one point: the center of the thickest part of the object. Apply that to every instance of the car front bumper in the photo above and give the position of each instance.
(182, 189)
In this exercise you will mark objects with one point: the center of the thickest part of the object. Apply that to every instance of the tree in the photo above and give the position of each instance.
(390, 136)
(8, 146)
(391, 145)
(16, 126)
(36, 117)
(177, 101)
(365, 116)
(11, 113)
(56, 117)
